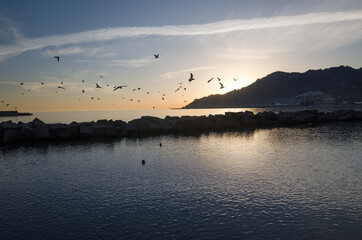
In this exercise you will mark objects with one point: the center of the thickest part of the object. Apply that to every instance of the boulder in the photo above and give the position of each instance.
(26, 132)
(41, 132)
(155, 127)
(12, 136)
(99, 130)
(142, 125)
(86, 131)
(63, 131)
(9, 125)
(131, 128)
(37, 121)
(167, 125)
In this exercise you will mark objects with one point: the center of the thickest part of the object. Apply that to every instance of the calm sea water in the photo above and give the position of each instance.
(281, 183)
(128, 115)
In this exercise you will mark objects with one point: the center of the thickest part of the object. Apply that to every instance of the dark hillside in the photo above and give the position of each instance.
(333, 85)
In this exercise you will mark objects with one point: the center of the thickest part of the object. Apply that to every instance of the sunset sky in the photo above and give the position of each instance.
(240, 39)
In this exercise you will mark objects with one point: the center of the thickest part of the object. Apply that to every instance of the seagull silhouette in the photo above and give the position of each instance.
(219, 79)
(61, 87)
(156, 55)
(42, 83)
(97, 86)
(118, 87)
(221, 85)
(138, 88)
(57, 57)
(235, 79)
(134, 90)
(191, 77)
(21, 83)
(100, 76)
(210, 80)
(82, 80)
(83, 91)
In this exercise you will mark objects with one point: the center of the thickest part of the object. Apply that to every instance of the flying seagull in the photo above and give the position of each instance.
(219, 79)
(21, 83)
(61, 87)
(221, 85)
(118, 87)
(235, 79)
(210, 80)
(191, 77)
(134, 90)
(57, 57)
(100, 76)
(97, 86)
(156, 55)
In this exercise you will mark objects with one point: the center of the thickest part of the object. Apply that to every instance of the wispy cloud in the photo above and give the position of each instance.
(227, 26)
(133, 63)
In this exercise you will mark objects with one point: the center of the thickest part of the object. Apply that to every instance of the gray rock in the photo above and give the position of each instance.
(86, 131)
(9, 125)
(131, 128)
(41, 131)
(26, 132)
(63, 131)
(37, 121)
(167, 125)
(12, 136)
(99, 130)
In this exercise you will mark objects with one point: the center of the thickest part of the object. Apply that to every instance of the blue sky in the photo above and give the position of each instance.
(244, 40)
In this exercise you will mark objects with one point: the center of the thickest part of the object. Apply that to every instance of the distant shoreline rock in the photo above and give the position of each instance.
(37, 130)
(13, 114)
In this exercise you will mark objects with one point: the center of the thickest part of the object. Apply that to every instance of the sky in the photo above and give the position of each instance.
(112, 43)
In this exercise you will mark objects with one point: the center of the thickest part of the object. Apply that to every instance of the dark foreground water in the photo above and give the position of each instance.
(282, 183)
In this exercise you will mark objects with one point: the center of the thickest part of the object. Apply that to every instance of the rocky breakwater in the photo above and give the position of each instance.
(37, 130)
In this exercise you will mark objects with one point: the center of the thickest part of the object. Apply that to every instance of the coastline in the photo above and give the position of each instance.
(37, 130)
(14, 114)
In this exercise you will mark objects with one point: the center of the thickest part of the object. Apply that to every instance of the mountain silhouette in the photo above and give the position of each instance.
(328, 86)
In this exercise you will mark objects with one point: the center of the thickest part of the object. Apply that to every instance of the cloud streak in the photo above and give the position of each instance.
(221, 27)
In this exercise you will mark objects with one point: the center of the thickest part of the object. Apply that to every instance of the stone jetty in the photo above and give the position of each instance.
(37, 130)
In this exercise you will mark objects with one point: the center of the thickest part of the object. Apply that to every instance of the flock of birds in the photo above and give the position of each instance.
(120, 87)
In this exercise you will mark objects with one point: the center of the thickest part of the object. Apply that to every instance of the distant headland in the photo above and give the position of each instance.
(37, 130)
(331, 86)
(13, 114)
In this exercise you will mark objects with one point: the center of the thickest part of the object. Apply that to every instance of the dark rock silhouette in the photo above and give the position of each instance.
(39, 131)
(334, 85)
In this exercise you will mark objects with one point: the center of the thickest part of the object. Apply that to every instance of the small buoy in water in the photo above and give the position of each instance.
(160, 144)
(143, 162)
